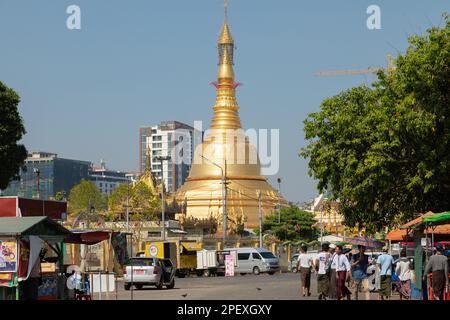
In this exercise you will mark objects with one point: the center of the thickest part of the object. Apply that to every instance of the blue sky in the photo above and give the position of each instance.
(86, 92)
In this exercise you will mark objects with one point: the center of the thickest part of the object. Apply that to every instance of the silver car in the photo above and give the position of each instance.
(292, 266)
(149, 271)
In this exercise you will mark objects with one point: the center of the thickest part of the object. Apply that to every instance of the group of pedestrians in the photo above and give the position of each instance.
(335, 271)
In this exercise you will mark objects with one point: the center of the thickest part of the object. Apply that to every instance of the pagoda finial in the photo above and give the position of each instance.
(225, 8)
(225, 36)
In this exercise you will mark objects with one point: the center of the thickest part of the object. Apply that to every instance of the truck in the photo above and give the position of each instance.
(212, 262)
(182, 253)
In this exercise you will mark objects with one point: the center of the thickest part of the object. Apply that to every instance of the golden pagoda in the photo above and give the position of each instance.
(226, 153)
(147, 177)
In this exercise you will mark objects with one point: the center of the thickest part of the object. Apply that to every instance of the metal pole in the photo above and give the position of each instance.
(127, 211)
(224, 204)
(321, 225)
(163, 218)
(279, 204)
(131, 263)
(260, 219)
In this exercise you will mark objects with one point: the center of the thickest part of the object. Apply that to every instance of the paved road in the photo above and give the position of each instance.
(248, 287)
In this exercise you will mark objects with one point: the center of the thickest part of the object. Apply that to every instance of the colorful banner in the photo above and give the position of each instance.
(8, 255)
(229, 266)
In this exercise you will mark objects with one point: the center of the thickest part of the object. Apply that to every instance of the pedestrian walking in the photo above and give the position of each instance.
(321, 265)
(332, 289)
(305, 264)
(342, 266)
(405, 275)
(360, 262)
(385, 262)
(438, 265)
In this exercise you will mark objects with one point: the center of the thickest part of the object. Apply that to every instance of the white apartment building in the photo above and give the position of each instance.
(169, 138)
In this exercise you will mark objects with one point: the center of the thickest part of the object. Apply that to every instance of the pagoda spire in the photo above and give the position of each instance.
(226, 114)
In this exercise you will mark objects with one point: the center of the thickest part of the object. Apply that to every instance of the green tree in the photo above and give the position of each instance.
(295, 224)
(117, 201)
(83, 195)
(384, 150)
(143, 204)
(12, 155)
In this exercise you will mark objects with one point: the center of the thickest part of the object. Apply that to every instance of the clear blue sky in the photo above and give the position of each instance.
(85, 93)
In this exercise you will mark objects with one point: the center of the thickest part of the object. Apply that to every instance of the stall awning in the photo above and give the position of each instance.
(88, 237)
(191, 246)
(397, 235)
(438, 219)
(31, 226)
(417, 221)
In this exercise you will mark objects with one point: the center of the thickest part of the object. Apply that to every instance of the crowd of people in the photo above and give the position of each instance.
(337, 273)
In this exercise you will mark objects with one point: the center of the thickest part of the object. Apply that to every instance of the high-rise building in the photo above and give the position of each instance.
(169, 138)
(45, 174)
(107, 180)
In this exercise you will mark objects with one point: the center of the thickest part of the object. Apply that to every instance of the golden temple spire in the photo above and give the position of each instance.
(225, 36)
(226, 114)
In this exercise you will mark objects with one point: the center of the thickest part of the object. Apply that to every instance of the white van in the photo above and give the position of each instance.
(256, 261)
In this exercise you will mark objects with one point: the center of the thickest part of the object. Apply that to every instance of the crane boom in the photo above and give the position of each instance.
(343, 72)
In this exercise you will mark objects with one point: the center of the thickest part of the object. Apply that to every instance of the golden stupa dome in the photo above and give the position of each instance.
(226, 151)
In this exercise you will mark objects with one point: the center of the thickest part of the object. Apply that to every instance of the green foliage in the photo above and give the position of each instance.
(12, 155)
(289, 219)
(83, 195)
(143, 204)
(384, 151)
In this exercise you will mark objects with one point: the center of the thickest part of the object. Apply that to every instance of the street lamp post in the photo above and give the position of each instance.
(127, 211)
(224, 196)
(163, 204)
(279, 204)
(38, 182)
(260, 219)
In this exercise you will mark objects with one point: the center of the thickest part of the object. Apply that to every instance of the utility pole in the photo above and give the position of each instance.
(279, 204)
(127, 210)
(224, 200)
(38, 182)
(224, 183)
(260, 219)
(163, 200)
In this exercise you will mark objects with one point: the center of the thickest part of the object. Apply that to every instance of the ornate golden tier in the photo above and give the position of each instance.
(227, 148)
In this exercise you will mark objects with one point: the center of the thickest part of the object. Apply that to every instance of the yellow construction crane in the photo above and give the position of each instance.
(332, 73)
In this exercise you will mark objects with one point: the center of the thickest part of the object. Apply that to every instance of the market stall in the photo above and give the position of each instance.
(26, 242)
(101, 279)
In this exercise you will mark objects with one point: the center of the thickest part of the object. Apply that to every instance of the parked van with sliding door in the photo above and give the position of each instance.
(256, 261)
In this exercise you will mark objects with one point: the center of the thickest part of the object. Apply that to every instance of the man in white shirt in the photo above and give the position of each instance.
(305, 263)
(342, 266)
(321, 264)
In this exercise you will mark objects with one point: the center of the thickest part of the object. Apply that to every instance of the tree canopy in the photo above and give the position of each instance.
(295, 224)
(384, 150)
(12, 154)
(84, 196)
(143, 204)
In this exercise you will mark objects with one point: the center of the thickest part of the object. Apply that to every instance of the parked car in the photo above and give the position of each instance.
(256, 261)
(292, 265)
(143, 271)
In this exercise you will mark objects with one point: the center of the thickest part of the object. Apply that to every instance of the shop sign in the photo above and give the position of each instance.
(8, 255)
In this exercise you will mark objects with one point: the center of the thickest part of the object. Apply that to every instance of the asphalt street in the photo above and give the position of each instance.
(284, 286)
